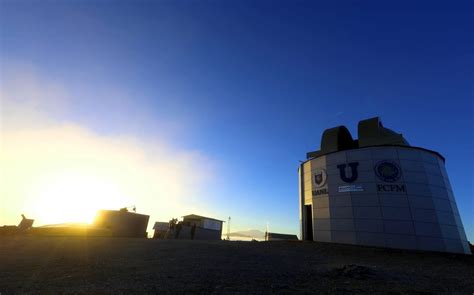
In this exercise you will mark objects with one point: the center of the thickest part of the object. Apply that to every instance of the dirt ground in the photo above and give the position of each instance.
(108, 265)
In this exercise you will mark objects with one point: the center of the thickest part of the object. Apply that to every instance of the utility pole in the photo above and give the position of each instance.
(228, 229)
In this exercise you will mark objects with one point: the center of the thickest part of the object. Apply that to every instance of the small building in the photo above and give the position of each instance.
(22, 228)
(25, 223)
(192, 227)
(279, 237)
(160, 228)
(205, 228)
(123, 223)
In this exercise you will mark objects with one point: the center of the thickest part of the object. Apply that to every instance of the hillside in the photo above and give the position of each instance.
(108, 265)
(253, 233)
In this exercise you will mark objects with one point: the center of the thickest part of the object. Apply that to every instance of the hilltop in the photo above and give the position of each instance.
(123, 265)
(252, 233)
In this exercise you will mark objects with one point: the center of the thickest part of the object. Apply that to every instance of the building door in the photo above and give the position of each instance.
(309, 223)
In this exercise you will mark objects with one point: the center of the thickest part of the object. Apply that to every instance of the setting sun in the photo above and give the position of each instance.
(63, 172)
(73, 197)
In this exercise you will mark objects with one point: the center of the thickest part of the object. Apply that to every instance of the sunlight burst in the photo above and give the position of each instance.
(74, 197)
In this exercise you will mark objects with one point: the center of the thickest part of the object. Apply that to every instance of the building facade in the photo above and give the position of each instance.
(378, 191)
(205, 228)
(279, 237)
(122, 223)
(192, 227)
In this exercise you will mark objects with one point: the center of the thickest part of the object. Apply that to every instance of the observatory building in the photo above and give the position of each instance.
(378, 190)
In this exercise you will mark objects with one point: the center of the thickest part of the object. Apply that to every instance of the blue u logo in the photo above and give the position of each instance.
(342, 171)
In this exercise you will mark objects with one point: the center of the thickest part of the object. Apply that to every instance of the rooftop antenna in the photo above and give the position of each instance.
(125, 209)
(228, 229)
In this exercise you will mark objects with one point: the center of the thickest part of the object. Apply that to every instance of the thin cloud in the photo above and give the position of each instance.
(51, 167)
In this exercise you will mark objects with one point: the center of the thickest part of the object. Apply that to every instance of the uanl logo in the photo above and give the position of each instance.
(319, 177)
(389, 171)
(319, 180)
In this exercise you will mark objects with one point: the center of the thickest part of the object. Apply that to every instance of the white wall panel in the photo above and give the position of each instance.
(415, 209)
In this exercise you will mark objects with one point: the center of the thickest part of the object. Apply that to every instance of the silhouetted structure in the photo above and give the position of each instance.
(280, 237)
(193, 227)
(123, 223)
(70, 230)
(23, 227)
(160, 228)
(25, 223)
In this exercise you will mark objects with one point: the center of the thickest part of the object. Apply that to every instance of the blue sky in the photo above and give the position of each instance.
(251, 85)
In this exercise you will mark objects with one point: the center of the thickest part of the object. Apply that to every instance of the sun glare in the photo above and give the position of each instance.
(73, 197)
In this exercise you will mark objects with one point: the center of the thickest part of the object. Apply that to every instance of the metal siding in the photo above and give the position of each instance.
(423, 216)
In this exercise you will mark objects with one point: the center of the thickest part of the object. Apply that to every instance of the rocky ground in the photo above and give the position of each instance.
(108, 265)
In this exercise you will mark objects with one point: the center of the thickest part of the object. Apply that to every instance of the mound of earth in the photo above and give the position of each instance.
(120, 265)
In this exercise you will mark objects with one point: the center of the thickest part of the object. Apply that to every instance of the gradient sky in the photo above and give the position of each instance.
(210, 105)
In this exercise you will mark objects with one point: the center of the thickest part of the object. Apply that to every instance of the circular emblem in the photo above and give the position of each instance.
(319, 177)
(388, 171)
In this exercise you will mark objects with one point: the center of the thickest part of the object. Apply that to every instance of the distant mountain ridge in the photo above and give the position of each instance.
(252, 233)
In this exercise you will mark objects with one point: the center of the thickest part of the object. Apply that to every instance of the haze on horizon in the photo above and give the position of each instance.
(206, 107)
